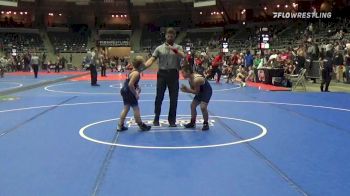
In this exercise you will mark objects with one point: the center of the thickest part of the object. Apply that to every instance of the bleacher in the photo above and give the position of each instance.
(115, 39)
(22, 42)
(151, 39)
(67, 42)
(202, 39)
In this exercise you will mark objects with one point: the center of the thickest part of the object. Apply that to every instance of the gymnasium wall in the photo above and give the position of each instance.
(118, 51)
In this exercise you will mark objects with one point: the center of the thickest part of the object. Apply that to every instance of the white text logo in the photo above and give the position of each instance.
(303, 15)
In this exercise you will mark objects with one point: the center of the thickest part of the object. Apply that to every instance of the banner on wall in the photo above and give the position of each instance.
(13, 3)
(113, 43)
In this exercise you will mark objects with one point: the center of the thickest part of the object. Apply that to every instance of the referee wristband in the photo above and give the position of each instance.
(175, 50)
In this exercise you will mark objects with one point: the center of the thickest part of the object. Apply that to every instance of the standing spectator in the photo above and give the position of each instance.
(125, 65)
(48, 66)
(234, 59)
(113, 63)
(2, 66)
(58, 63)
(11, 64)
(35, 64)
(339, 66)
(63, 62)
(300, 59)
(257, 60)
(248, 59)
(257, 64)
(347, 66)
(71, 58)
(26, 60)
(44, 58)
(190, 58)
(199, 66)
(216, 67)
(105, 63)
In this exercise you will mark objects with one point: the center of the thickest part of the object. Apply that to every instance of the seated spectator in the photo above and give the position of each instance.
(241, 76)
(261, 75)
(229, 72)
(257, 61)
(251, 75)
(289, 68)
(273, 63)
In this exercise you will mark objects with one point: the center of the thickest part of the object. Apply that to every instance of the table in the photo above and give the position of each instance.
(272, 72)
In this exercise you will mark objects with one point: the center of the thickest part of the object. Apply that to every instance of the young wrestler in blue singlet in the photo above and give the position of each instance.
(131, 93)
(203, 91)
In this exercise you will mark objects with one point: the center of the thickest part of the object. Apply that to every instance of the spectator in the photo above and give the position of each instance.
(339, 66)
(326, 71)
(248, 59)
(199, 66)
(251, 75)
(257, 61)
(58, 63)
(241, 76)
(35, 64)
(347, 66)
(300, 60)
(216, 66)
(2, 66)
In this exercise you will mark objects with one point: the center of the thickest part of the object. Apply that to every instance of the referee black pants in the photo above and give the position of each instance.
(347, 74)
(170, 79)
(57, 68)
(103, 70)
(326, 79)
(35, 69)
(215, 70)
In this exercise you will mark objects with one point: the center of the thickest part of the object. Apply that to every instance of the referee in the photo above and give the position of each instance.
(169, 55)
(326, 71)
(91, 59)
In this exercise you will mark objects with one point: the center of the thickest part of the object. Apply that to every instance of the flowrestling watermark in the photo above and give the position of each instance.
(302, 15)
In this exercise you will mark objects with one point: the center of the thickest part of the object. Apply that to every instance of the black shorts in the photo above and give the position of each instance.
(129, 98)
(203, 96)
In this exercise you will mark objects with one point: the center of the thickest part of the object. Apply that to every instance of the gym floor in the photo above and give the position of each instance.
(61, 139)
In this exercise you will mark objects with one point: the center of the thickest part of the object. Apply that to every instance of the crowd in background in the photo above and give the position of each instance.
(23, 62)
(246, 65)
(307, 49)
(103, 61)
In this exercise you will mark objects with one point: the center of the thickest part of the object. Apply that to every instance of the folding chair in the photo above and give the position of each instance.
(298, 80)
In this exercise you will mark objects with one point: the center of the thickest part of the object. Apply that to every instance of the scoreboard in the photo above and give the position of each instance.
(225, 46)
(264, 38)
(13, 3)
